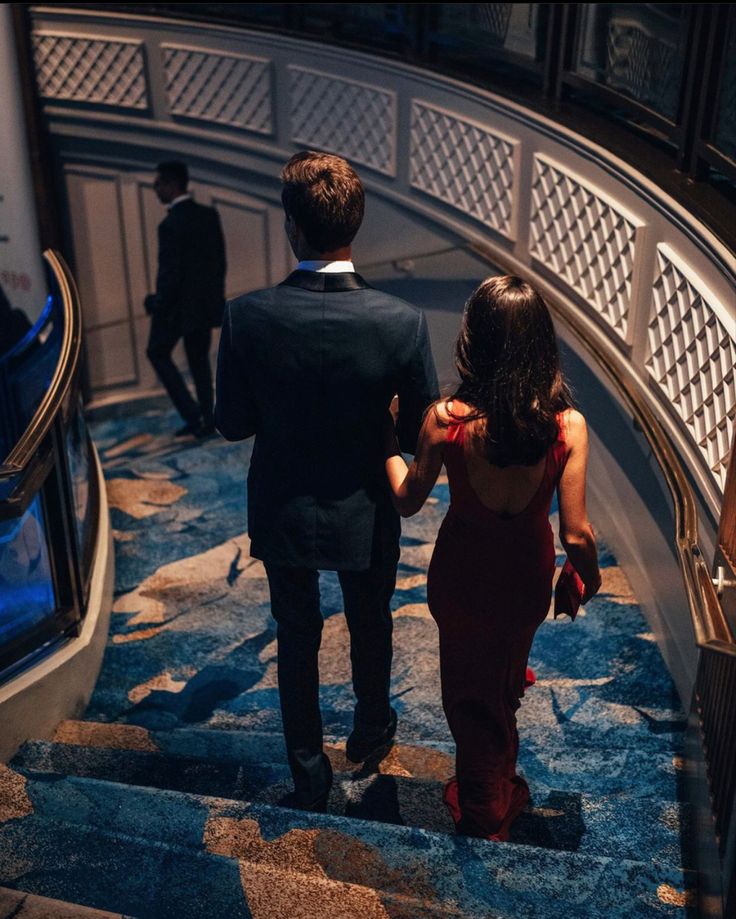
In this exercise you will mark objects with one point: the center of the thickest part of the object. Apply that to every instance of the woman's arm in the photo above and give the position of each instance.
(576, 533)
(411, 485)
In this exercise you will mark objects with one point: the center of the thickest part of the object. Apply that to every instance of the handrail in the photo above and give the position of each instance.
(709, 622)
(66, 367)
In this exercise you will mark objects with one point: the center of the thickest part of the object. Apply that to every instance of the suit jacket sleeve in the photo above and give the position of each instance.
(417, 390)
(235, 412)
(220, 249)
(170, 269)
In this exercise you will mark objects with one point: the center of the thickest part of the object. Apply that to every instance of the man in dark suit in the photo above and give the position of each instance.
(310, 367)
(189, 298)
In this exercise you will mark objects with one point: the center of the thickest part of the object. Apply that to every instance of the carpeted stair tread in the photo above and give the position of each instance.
(656, 736)
(477, 878)
(619, 824)
(17, 904)
(595, 770)
(149, 880)
(187, 699)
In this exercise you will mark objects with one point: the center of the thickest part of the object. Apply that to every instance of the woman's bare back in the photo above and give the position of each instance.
(506, 491)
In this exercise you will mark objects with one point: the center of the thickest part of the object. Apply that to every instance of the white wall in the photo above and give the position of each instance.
(21, 268)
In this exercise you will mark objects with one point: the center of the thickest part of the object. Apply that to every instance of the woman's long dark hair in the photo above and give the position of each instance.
(509, 366)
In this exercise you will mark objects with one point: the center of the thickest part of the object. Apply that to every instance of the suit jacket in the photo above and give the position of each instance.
(310, 367)
(190, 285)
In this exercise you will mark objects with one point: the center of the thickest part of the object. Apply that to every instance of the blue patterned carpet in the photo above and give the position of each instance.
(163, 801)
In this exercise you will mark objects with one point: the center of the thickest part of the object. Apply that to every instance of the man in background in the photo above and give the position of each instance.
(310, 367)
(189, 298)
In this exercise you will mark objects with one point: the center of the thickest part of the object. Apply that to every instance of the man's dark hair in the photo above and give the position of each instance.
(174, 171)
(324, 197)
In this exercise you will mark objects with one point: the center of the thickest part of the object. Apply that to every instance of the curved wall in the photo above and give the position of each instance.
(621, 262)
(60, 685)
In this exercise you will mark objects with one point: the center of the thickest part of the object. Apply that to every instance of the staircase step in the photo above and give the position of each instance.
(161, 881)
(594, 769)
(610, 824)
(17, 904)
(62, 844)
(539, 721)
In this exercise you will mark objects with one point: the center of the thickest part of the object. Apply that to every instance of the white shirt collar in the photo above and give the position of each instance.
(178, 200)
(326, 267)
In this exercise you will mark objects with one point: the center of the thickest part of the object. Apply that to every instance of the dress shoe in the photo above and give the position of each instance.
(189, 430)
(297, 802)
(363, 744)
(205, 430)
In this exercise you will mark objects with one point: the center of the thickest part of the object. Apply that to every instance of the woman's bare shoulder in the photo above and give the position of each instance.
(441, 411)
(440, 416)
(449, 410)
(574, 427)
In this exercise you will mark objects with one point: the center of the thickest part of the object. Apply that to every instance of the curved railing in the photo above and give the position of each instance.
(26, 370)
(69, 322)
(48, 485)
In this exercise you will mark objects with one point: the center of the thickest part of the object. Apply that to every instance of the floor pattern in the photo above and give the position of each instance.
(164, 800)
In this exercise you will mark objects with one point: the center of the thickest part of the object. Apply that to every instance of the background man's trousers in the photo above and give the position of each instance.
(163, 337)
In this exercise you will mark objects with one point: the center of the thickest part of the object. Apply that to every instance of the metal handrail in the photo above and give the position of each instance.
(71, 347)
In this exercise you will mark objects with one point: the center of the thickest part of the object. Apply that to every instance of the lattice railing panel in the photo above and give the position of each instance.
(224, 88)
(584, 240)
(692, 357)
(463, 164)
(81, 69)
(355, 120)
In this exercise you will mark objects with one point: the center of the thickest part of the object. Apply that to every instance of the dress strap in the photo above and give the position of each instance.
(560, 450)
(454, 458)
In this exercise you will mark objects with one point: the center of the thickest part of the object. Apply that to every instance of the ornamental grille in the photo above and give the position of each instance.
(223, 88)
(352, 119)
(642, 65)
(584, 240)
(79, 69)
(463, 164)
(692, 358)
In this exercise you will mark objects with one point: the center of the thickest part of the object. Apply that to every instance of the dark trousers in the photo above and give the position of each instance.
(161, 342)
(295, 605)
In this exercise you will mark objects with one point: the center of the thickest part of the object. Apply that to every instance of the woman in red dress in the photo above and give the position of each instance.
(508, 438)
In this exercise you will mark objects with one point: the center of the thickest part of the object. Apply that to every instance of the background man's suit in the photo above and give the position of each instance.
(310, 367)
(188, 303)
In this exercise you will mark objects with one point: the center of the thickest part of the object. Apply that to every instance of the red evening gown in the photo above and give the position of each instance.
(489, 589)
